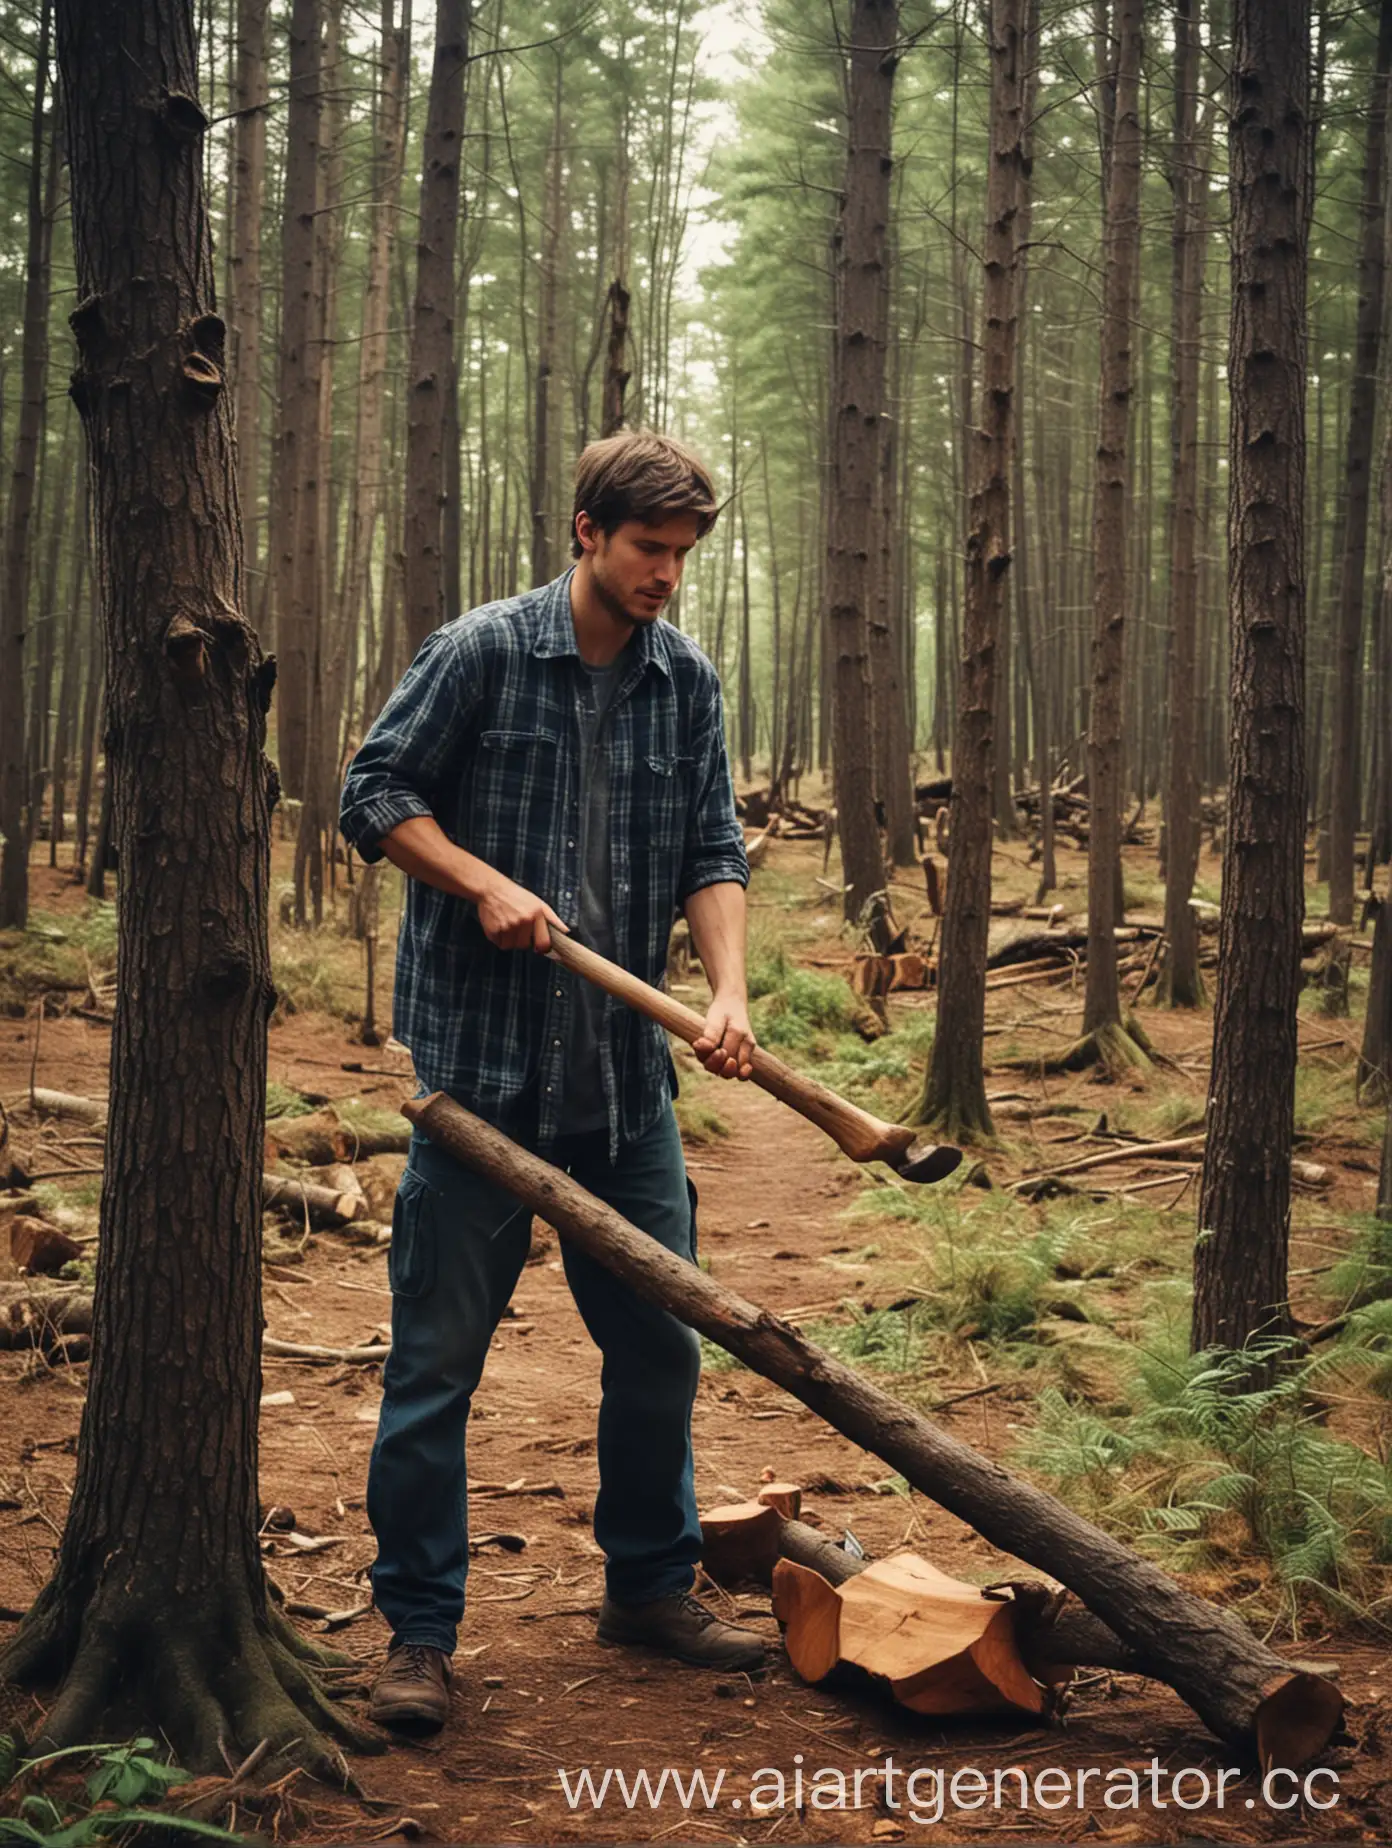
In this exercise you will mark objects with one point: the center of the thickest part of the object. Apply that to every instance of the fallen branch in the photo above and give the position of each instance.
(1241, 1689)
(306, 1350)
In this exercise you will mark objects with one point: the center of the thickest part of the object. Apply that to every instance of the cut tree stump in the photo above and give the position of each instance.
(941, 1646)
(740, 1542)
(1055, 1632)
(1241, 1689)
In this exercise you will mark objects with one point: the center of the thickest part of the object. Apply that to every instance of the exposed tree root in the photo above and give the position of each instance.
(211, 1675)
(1117, 1049)
(1169, 995)
(956, 1113)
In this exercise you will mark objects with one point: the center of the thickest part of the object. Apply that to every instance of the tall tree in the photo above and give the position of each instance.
(1358, 472)
(859, 372)
(954, 1093)
(1103, 1031)
(157, 1608)
(1181, 982)
(1244, 1207)
(294, 498)
(14, 836)
(430, 372)
(250, 100)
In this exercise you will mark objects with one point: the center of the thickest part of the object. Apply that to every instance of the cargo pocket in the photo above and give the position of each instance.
(412, 1257)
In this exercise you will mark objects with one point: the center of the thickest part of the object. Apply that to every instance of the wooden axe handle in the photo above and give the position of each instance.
(861, 1136)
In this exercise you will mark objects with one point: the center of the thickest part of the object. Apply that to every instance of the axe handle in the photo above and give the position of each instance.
(858, 1134)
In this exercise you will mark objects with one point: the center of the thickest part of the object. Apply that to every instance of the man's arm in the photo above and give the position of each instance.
(716, 916)
(512, 917)
(406, 765)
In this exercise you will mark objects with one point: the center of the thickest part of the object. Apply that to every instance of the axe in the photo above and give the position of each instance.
(858, 1134)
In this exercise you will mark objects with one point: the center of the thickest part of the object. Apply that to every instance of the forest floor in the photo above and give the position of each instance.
(1041, 1309)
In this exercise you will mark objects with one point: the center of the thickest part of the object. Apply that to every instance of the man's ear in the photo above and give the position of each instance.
(586, 532)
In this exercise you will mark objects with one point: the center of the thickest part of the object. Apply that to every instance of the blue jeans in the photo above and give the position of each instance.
(458, 1247)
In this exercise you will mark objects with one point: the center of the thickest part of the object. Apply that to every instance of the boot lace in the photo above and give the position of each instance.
(414, 1662)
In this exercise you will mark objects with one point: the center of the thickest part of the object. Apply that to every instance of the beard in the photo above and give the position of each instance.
(632, 609)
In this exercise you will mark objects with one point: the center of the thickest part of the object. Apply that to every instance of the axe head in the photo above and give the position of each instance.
(927, 1161)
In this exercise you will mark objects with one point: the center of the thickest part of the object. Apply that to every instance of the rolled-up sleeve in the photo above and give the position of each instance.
(403, 764)
(714, 851)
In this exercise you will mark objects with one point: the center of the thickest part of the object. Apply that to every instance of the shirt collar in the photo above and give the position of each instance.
(555, 632)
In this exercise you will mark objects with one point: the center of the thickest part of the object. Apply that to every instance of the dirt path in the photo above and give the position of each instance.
(535, 1693)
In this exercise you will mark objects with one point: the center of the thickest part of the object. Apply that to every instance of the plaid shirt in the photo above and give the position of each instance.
(482, 734)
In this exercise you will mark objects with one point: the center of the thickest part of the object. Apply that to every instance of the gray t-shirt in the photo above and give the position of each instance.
(582, 1106)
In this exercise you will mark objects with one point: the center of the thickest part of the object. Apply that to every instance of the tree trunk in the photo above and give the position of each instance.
(294, 525)
(859, 370)
(369, 475)
(1375, 1056)
(1358, 472)
(157, 1607)
(1181, 984)
(14, 612)
(1246, 1694)
(1244, 1208)
(544, 432)
(954, 1091)
(250, 99)
(430, 369)
(1102, 1000)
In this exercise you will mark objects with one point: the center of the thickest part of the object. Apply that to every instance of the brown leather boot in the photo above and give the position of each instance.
(682, 1627)
(412, 1693)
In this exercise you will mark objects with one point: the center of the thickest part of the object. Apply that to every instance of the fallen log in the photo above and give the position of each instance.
(36, 1317)
(64, 1104)
(1241, 1689)
(308, 1350)
(323, 1138)
(325, 1206)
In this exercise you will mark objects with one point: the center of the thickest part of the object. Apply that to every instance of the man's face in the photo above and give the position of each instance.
(637, 567)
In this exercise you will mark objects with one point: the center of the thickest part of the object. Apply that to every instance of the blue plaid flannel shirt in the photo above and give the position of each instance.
(481, 733)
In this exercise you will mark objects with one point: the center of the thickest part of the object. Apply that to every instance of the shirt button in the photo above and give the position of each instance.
(570, 843)
(558, 994)
(555, 1043)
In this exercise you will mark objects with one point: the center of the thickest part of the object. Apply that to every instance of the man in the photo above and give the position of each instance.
(553, 762)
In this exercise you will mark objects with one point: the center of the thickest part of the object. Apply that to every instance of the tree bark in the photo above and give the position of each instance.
(1181, 984)
(954, 1090)
(1240, 1689)
(859, 371)
(429, 372)
(1102, 1000)
(1244, 1208)
(157, 1606)
(14, 839)
(1358, 484)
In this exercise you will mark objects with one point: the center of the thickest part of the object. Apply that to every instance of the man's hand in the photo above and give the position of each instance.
(514, 918)
(726, 1047)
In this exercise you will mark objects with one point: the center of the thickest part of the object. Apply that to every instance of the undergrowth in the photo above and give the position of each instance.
(1218, 1476)
(112, 1802)
(56, 951)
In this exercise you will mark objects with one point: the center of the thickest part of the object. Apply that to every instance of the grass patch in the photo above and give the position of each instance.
(56, 952)
(1219, 1477)
(699, 1124)
(282, 1101)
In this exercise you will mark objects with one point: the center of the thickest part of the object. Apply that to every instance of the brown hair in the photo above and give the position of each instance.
(639, 475)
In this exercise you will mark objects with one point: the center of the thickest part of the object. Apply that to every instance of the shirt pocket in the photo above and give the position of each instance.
(413, 1257)
(665, 782)
(514, 797)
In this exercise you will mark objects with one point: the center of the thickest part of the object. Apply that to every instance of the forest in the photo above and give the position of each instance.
(1039, 352)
